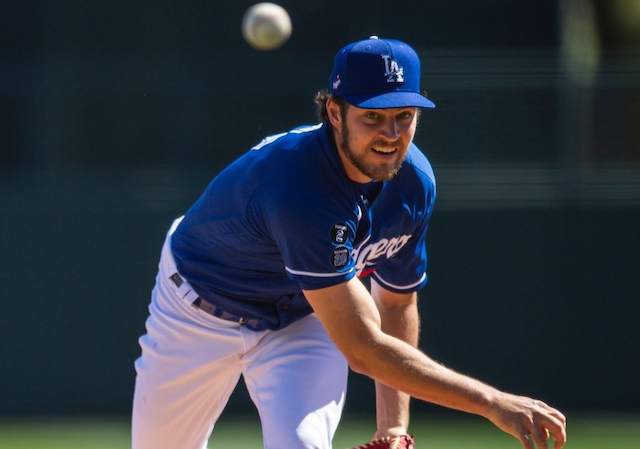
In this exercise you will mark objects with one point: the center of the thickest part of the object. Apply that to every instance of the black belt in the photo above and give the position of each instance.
(213, 310)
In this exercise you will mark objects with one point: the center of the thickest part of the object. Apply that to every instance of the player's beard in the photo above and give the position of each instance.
(375, 172)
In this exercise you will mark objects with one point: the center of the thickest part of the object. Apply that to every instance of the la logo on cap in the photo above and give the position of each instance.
(393, 72)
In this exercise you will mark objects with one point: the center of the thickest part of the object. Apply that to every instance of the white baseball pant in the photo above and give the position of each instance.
(191, 363)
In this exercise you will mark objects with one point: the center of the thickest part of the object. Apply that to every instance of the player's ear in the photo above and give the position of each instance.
(333, 113)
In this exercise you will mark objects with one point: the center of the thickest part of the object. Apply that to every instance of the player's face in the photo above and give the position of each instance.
(373, 143)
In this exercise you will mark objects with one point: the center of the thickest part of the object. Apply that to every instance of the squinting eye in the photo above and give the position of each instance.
(371, 115)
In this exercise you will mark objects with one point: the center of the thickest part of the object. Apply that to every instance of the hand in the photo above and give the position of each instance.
(529, 420)
(389, 432)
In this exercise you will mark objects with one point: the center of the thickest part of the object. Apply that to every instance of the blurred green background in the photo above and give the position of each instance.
(430, 431)
(115, 115)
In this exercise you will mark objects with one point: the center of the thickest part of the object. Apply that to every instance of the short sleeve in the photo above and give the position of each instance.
(313, 230)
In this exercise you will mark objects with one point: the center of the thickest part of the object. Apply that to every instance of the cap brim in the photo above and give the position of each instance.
(390, 100)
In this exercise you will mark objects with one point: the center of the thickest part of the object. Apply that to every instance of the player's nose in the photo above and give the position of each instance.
(390, 129)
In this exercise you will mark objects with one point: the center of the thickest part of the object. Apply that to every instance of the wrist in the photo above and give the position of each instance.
(490, 403)
(390, 432)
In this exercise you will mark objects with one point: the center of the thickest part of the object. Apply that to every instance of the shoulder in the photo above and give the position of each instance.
(303, 136)
(288, 156)
(296, 175)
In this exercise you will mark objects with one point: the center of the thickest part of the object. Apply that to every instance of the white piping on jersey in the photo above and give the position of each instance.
(318, 275)
(401, 287)
(306, 129)
(269, 139)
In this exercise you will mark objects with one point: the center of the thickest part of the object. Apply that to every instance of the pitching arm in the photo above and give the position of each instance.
(352, 320)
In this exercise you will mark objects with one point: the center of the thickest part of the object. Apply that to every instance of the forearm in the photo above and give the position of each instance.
(386, 359)
(400, 319)
(392, 406)
(401, 366)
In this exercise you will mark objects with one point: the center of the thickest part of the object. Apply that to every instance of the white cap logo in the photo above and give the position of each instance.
(337, 82)
(393, 72)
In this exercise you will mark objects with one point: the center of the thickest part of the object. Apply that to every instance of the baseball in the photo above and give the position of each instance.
(266, 26)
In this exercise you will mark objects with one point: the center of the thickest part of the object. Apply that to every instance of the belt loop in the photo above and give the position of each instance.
(184, 289)
(176, 279)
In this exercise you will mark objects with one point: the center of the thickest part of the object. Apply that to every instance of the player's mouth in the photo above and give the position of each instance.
(384, 149)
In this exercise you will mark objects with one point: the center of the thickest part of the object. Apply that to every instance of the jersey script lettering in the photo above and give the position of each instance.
(368, 254)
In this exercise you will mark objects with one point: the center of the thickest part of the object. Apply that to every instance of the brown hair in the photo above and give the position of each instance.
(321, 104)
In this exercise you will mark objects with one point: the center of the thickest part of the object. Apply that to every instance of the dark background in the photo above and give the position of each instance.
(115, 115)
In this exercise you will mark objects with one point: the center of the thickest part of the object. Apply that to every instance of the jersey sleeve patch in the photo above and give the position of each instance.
(339, 233)
(340, 257)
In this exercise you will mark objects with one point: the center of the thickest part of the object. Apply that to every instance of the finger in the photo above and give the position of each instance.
(557, 415)
(554, 413)
(545, 432)
(540, 437)
(549, 418)
(560, 437)
(556, 427)
(526, 442)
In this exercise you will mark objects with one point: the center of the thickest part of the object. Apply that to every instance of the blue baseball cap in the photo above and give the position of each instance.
(378, 73)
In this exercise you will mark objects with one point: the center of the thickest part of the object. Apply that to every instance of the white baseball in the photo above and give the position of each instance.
(266, 26)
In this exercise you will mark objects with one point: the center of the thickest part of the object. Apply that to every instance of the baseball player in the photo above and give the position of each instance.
(261, 278)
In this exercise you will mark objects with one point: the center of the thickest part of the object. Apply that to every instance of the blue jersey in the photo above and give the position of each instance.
(284, 217)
